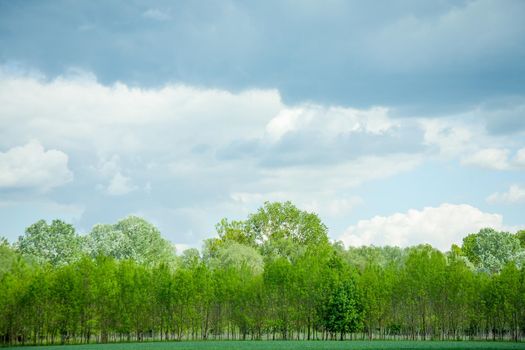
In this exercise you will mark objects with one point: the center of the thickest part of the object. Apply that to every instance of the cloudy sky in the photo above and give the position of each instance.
(398, 122)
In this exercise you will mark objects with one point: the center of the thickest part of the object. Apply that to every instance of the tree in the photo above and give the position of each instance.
(8, 256)
(456, 311)
(131, 238)
(375, 284)
(235, 231)
(56, 243)
(513, 302)
(276, 230)
(278, 280)
(490, 250)
(284, 220)
(422, 281)
(342, 311)
(235, 255)
(521, 236)
(274, 275)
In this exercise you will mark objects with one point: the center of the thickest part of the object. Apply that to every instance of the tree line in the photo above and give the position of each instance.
(275, 275)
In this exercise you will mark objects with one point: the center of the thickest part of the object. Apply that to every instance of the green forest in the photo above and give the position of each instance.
(273, 276)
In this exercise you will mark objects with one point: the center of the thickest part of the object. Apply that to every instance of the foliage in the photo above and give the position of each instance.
(274, 275)
(342, 310)
(521, 237)
(237, 255)
(276, 220)
(490, 250)
(54, 243)
(131, 238)
(8, 256)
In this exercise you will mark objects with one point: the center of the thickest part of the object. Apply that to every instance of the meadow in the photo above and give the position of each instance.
(293, 345)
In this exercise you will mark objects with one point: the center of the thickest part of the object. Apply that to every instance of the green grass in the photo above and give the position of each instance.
(292, 345)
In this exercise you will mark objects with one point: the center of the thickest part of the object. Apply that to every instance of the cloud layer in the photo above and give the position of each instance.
(184, 156)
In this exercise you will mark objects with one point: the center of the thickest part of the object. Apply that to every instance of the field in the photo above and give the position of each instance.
(292, 345)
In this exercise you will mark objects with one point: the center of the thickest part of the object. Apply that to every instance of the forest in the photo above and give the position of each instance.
(273, 276)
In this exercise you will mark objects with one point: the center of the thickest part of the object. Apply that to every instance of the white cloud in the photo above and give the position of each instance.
(287, 120)
(77, 112)
(515, 194)
(463, 137)
(450, 136)
(120, 185)
(439, 226)
(31, 166)
(121, 124)
(329, 121)
(490, 158)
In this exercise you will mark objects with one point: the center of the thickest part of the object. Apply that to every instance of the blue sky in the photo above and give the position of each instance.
(398, 122)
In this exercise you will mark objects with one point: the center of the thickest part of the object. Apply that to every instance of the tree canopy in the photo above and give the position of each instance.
(490, 250)
(274, 275)
(55, 243)
(131, 238)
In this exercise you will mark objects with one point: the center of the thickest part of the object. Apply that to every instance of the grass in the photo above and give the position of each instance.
(293, 345)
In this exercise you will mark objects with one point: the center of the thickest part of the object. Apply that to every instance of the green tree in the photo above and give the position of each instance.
(55, 243)
(284, 220)
(521, 236)
(274, 275)
(376, 286)
(235, 255)
(235, 231)
(131, 238)
(490, 250)
(8, 256)
(278, 280)
(513, 301)
(342, 312)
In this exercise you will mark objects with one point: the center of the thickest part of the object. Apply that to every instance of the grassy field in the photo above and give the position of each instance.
(291, 345)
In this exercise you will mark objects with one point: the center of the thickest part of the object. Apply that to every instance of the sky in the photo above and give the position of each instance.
(397, 122)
